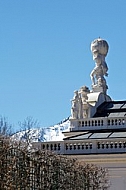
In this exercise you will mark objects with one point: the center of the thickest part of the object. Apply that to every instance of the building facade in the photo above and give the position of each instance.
(97, 124)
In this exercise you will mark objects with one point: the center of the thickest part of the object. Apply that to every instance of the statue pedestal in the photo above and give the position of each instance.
(98, 89)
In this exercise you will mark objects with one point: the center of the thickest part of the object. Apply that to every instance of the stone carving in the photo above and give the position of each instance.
(75, 106)
(80, 106)
(85, 106)
(99, 50)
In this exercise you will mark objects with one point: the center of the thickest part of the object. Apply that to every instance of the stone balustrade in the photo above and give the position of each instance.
(113, 146)
(84, 146)
(51, 146)
(78, 147)
(98, 123)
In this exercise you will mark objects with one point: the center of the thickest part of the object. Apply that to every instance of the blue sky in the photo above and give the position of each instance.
(45, 54)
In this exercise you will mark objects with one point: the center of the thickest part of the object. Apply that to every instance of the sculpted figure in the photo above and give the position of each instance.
(74, 110)
(99, 49)
(85, 109)
(85, 106)
(84, 91)
(75, 105)
(98, 72)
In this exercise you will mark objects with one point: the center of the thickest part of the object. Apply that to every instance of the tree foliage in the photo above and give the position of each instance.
(5, 127)
(29, 169)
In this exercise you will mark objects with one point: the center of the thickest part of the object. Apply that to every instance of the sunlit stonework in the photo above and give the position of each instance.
(99, 48)
(85, 101)
(97, 131)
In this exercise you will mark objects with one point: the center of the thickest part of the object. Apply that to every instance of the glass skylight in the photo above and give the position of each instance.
(99, 135)
(118, 134)
(84, 136)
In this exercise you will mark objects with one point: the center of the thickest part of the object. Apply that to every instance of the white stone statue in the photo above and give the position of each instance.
(85, 106)
(99, 49)
(80, 106)
(75, 110)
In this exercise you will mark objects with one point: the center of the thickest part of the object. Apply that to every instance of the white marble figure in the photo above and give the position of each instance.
(75, 105)
(80, 105)
(84, 91)
(98, 72)
(85, 106)
(74, 113)
(85, 109)
(99, 49)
